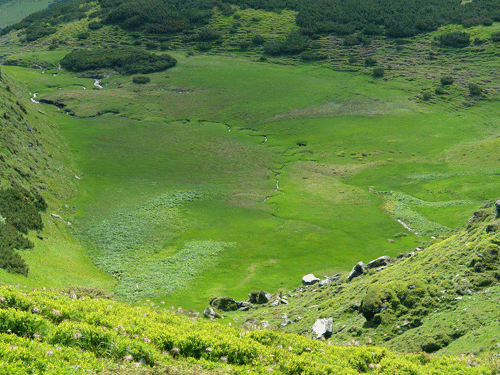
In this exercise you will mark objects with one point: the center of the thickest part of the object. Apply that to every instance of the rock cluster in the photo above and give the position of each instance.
(229, 304)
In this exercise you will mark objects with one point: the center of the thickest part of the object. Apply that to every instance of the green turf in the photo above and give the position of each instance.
(288, 169)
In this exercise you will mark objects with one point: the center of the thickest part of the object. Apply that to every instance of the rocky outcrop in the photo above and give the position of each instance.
(224, 304)
(259, 296)
(357, 270)
(379, 262)
(210, 313)
(322, 328)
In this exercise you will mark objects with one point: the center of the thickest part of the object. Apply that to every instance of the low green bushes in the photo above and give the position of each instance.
(97, 333)
(141, 80)
(125, 60)
(455, 39)
(19, 212)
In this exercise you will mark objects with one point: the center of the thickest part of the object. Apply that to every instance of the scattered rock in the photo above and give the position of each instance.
(497, 207)
(323, 328)
(259, 296)
(275, 302)
(325, 282)
(310, 279)
(285, 323)
(210, 313)
(278, 301)
(244, 306)
(56, 216)
(379, 262)
(357, 270)
(224, 304)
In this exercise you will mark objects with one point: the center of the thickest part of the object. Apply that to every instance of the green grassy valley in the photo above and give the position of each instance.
(217, 149)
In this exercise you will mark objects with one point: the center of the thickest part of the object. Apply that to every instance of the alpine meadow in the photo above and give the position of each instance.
(245, 186)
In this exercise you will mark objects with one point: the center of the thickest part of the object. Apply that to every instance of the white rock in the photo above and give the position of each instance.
(310, 279)
(323, 328)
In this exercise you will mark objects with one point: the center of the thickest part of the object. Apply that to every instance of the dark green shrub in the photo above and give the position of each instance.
(151, 45)
(313, 56)
(495, 37)
(273, 48)
(207, 34)
(141, 80)
(378, 72)
(83, 36)
(244, 44)
(475, 89)
(258, 40)
(353, 40)
(164, 47)
(20, 209)
(440, 91)
(204, 46)
(446, 80)
(295, 42)
(11, 239)
(426, 95)
(478, 41)
(370, 61)
(94, 25)
(12, 262)
(124, 59)
(352, 59)
(455, 39)
(487, 22)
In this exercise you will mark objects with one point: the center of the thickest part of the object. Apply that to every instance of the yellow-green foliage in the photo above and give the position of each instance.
(48, 332)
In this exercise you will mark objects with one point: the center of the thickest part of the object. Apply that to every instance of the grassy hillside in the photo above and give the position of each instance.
(12, 11)
(271, 170)
(251, 146)
(439, 299)
(84, 332)
(35, 157)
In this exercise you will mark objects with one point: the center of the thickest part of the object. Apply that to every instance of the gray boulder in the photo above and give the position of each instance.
(275, 302)
(224, 304)
(322, 328)
(379, 262)
(497, 207)
(210, 313)
(244, 306)
(259, 296)
(285, 323)
(310, 279)
(357, 270)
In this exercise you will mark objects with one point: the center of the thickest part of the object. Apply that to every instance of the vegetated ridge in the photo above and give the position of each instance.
(438, 299)
(82, 331)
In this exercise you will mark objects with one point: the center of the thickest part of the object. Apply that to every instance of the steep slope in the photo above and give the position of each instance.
(34, 157)
(439, 299)
(84, 332)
